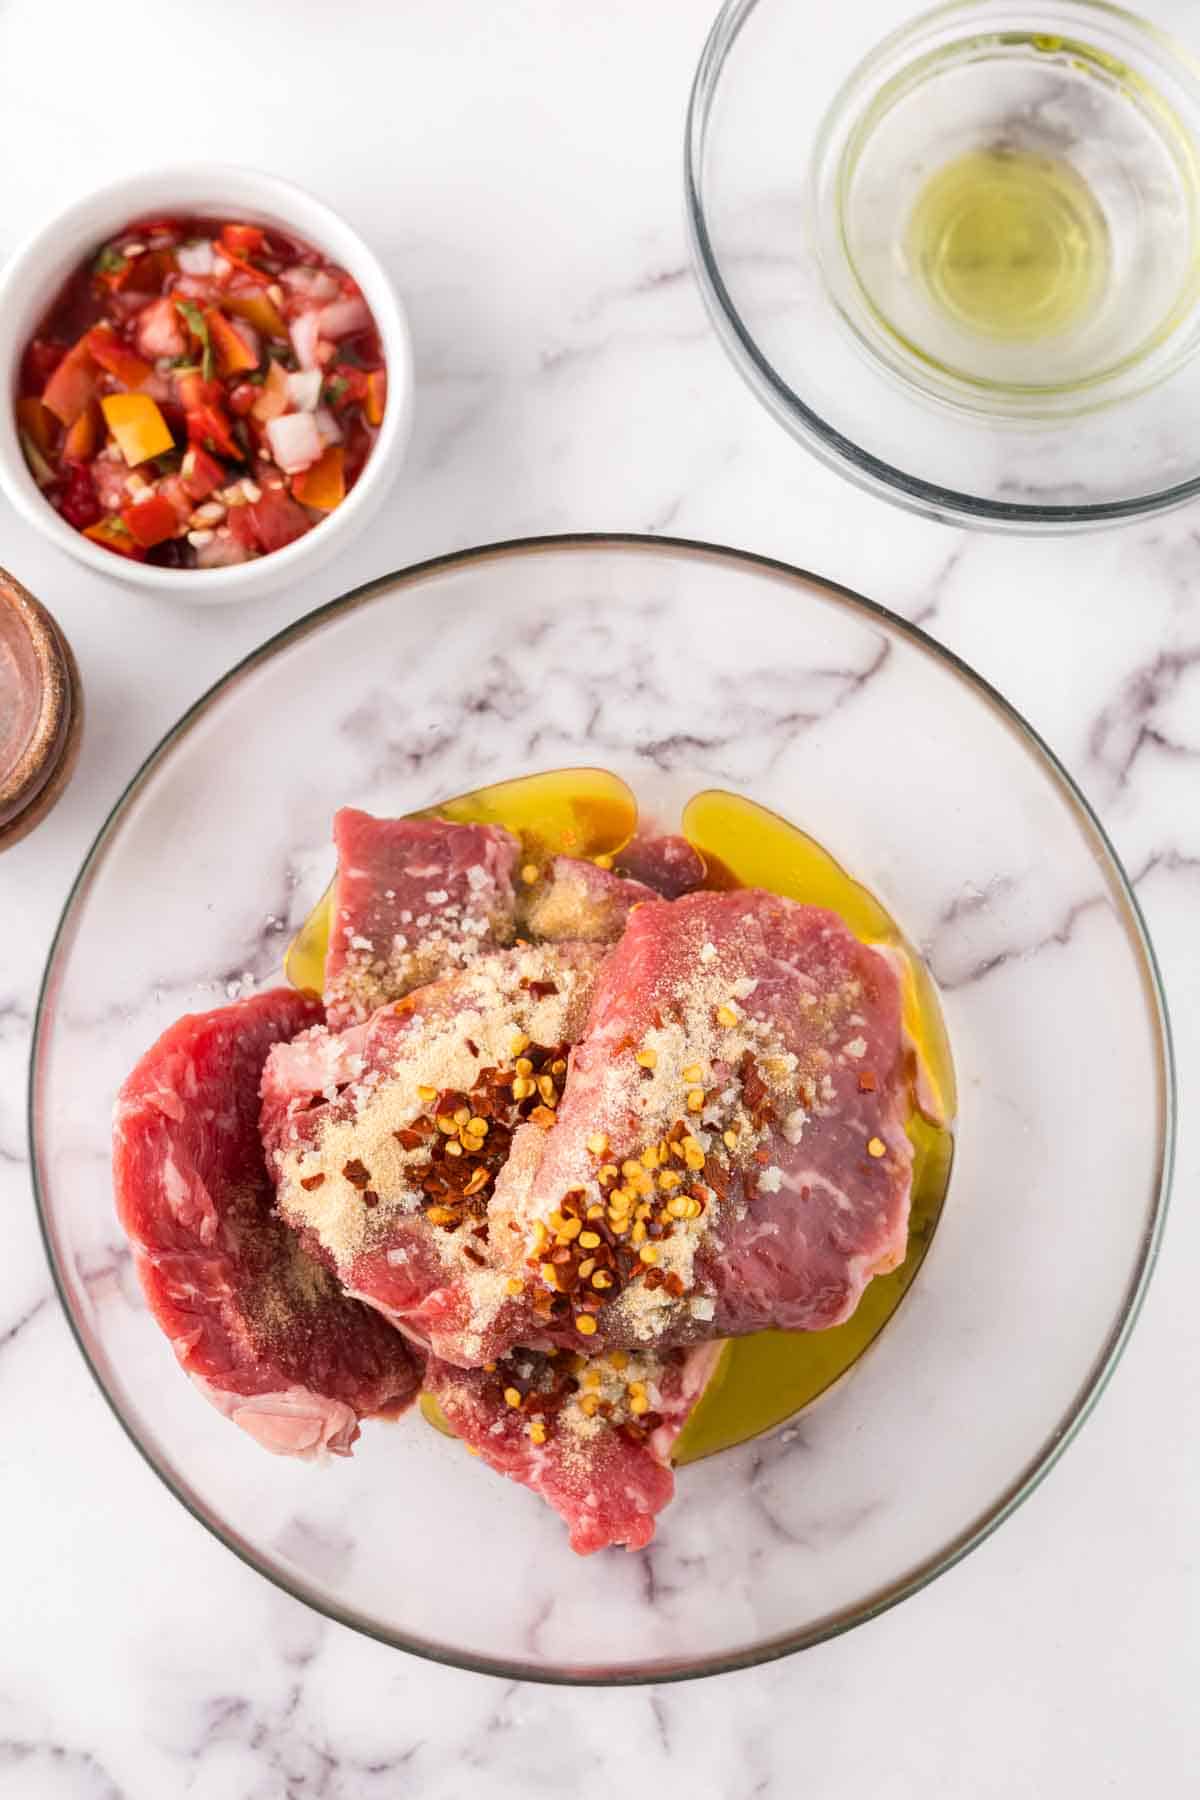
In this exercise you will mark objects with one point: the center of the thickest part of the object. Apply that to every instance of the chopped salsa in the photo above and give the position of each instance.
(201, 392)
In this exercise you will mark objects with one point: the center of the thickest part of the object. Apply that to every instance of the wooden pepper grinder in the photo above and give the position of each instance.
(41, 711)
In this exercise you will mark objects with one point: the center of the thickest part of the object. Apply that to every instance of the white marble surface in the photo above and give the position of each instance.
(520, 171)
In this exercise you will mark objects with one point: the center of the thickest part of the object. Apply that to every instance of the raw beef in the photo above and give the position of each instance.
(593, 1437)
(262, 1329)
(730, 1152)
(385, 1139)
(669, 865)
(578, 900)
(413, 899)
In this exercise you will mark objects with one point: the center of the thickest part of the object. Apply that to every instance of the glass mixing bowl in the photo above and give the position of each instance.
(679, 666)
(958, 255)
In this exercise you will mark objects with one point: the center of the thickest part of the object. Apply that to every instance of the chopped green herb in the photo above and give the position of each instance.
(335, 389)
(346, 353)
(198, 326)
(110, 261)
(256, 377)
(183, 365)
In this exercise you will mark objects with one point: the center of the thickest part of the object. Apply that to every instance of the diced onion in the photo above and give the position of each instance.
(315, 284)
(196, 258)
(304, 389)
(295, 441)
(306, 330)
(327, 425)
(343, 317)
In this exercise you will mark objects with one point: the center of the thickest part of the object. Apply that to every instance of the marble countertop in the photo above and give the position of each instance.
(521, 176)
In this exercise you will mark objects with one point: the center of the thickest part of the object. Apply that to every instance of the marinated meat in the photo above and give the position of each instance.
(593, 1438)
(578, 900)
(260, 1326)
(385, 1139)
(730, 1152)
(669, 865)
(413, 900)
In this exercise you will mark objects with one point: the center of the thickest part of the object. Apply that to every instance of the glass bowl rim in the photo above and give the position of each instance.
(832, 447)
(1110, 1350)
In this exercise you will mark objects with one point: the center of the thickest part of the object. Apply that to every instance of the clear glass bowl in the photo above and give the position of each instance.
(846, 181)
(679, 666)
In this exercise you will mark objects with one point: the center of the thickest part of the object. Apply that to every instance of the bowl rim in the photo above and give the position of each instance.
(1108, 1353)
(73, 230)
(832, 447)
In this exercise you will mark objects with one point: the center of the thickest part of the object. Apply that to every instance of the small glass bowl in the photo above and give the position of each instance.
(927, 787)
(844, 187)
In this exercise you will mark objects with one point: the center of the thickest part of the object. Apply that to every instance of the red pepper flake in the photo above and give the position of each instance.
(370, 1197)
(357, 1173)
(540, 990)
(866, 1082)
(309, 1182)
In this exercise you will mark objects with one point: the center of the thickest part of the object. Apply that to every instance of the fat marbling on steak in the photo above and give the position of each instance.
(260, 1326)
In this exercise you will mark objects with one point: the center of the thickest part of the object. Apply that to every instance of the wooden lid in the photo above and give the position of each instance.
(41, 711)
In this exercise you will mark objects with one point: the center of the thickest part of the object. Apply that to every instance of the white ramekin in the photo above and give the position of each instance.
(33, 276)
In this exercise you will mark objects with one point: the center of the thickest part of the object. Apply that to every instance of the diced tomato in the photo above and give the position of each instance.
(277, 519)
(240, 263)
(110, 477)
(149, 522)
(39, 363)
(242, 240)
(37, 423)
(242, 399)
(148, 273)
(72, 385)
(83, 439)
(160, 330)
(208, 427)
(173, 490)
(79, 503)
(112, 534)
(234, 354)
(345, 386)
(194, 391)
(201, 474)
(115, 357)
(240, 520)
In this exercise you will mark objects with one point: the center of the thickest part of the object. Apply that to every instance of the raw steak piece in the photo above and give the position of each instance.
(669, 865)
(730, 1150)
(385, 1140)
(262, 1329)
(413, 899)
(580, 901)
(592, 1437)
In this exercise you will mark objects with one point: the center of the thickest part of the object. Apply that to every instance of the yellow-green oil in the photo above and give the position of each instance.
(1010, 244)
(762, 1380)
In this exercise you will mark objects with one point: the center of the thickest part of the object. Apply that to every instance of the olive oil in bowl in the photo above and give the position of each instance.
(1010, 243)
